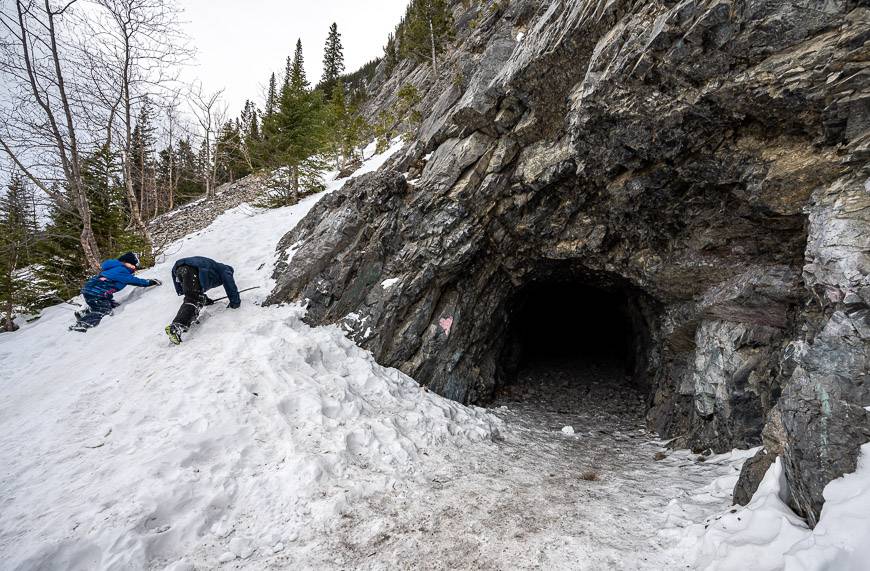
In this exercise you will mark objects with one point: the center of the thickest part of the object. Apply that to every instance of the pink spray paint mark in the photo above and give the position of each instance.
(446, 323)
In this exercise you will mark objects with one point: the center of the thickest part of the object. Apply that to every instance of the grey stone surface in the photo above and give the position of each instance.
(706, 158)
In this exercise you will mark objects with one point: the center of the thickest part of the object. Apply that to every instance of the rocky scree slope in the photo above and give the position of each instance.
(707, 158)
(199, 214)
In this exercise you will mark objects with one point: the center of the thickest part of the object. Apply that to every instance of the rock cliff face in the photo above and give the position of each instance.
(706, 160)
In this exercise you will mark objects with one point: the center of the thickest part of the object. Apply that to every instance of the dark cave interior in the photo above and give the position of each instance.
(588, 328)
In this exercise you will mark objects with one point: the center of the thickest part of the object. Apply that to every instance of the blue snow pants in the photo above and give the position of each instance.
(100, 306)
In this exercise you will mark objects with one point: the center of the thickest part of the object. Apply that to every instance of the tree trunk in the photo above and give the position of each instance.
(171, 177)
(135, 212)
(8, 322)
(295, 184)
(87, 238)
(132, 202)
(432, 38)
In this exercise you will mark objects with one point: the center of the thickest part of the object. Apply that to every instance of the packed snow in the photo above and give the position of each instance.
(263, 443)
(118, 450)
(767, 535)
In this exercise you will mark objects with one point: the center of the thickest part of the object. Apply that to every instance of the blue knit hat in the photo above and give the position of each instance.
(129, 258)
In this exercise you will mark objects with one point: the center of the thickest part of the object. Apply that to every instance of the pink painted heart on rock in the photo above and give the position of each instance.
(446, 323)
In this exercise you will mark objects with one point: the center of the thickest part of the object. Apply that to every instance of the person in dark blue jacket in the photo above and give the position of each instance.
(114, 276)
(192, 278)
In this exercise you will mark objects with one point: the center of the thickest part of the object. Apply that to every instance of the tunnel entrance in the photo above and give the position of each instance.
(565, 322)
(578, 343)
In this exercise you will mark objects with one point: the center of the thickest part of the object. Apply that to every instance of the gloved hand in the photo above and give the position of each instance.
(208, 300)
(234, 305)
(155, 282)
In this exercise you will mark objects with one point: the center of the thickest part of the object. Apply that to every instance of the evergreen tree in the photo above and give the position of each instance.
(142, 169)
(189, 179)
(298, 82)
(19, 232)
(62, 265)
(167, 174)
(427, 28)
(248, 121)
(288, 74)
(337, 118)
(230, 162)
(294, 134)
(384, 130)
(333, 61)
(271, 97)
(345, 126)
(406, 108)
(204, 164)
(391, 54)
(249, 129)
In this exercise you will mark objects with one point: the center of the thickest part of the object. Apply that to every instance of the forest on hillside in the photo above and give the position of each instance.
(100, 135)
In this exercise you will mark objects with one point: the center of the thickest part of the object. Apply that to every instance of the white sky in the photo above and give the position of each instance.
(240, 42)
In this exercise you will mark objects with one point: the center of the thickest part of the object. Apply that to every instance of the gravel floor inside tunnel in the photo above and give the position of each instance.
(593, 395)
(607, 496)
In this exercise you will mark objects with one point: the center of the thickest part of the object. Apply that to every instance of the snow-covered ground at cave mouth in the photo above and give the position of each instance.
(263, 443)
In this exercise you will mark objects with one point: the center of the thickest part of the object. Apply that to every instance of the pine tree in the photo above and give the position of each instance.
(189, 179)
(271, 97)
(204, 158)
(383, 130)
(143, 168)
(294, 134)
(249, 129)
(19, 232)
(427, 29)
(333, 61)
(298, 83)
(167, 173)
(406, 107)
(391, 54)
(337, 120)
(230, 160)
(61, 264)
(345, 126)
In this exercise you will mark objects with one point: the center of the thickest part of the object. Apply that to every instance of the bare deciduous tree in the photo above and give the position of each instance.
(147, 48)
(210, 113)
(39, 130)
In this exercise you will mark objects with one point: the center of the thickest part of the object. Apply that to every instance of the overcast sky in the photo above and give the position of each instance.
(240, 42)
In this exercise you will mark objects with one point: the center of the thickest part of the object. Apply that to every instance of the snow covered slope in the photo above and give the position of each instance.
(121, 451)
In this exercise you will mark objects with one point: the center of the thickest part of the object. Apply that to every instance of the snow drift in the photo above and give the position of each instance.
(118, 450)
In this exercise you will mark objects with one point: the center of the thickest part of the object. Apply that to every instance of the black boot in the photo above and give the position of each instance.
(174, 331)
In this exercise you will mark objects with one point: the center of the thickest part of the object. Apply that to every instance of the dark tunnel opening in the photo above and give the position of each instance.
(586, 335)
(569, 322)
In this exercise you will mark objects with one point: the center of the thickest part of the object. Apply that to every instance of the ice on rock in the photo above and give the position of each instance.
(567, 430)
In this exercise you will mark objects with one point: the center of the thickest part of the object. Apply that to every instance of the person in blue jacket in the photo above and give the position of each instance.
(192, 278)
(114, 276)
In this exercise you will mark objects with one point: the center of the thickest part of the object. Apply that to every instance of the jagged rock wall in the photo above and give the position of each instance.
(707, 157)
